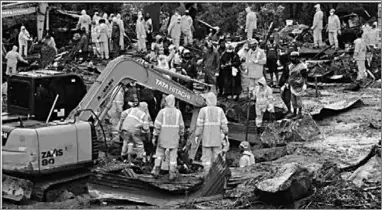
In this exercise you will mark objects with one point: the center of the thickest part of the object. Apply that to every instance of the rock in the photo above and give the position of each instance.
(65, 196)
(284, 131)
(370, 172)
(291, 182)
(269, 154)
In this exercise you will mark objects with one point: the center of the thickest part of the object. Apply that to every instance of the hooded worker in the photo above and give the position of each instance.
(169, 131)
(115, 112)
(115, 37)
(294, 88)
(211, 124)
(263, 97)
(141, 34)
(317, 26)
(24, 37)
(211, 63)
(84, 21)
(247, 158)
(250, 22)
(360, 50)
(175, 31)
(122, 32)
(186, 27)
(94, 36)
(103, 38)
(174, 17)
(133, 125)
(255, 62)
(334, 28)
(229, 76)
(149, 28)
(12, 59)
(96, 18)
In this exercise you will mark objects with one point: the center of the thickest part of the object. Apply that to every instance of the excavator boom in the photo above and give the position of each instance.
(125, 69)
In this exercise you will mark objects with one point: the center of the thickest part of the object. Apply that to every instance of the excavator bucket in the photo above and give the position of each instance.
(16, 189)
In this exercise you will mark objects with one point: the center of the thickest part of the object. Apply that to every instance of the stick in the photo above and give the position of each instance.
(51, 109)
(248, 109)
(315, 83)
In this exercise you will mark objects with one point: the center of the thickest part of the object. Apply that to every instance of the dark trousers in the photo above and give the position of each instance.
(116, 48)
(286, 97)
(225, 81)
(272, 67)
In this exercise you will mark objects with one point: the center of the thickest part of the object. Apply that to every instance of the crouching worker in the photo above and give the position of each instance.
(263, 98)
(169, 131)
(211, 123)
(247, 158)
(133, 125)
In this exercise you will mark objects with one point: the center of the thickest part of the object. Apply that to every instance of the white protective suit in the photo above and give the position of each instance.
(24, 37)
(12, 59)
(317, 26)
(175, 31)
(186, 27)
(115, 113)
(210, 126)
(250, 22)
(84, 21)
(103, 38)
(141, 34)
(264, 98)
(122, 31)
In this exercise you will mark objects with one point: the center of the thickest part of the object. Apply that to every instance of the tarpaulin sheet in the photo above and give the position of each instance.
(333, 103)
(16, 12)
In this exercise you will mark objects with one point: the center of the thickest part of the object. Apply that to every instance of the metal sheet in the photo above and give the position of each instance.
(333, 103)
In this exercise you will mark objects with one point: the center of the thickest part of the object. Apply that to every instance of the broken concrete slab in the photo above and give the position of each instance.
(269, 154)
(292, 182)
(334, 102)
(370, 172)
(283, 131)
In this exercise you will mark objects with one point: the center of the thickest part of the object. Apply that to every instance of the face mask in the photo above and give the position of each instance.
(331, 13)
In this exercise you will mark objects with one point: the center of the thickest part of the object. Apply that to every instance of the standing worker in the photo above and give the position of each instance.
(103, 38)
(84, 21)
(24, 37)
(263, 102)
(247, 159)
(149, 28)
(317, 26)
(174, 30)
(12, 59)
(141, 34)
(83, 45)
(134, 122)
(255, 63)
(169, 131)
(360, 56)
(211, 123)
(334, 28)
(115, 113)
(186, 26)
(115, 37)
(250, 22)
(272, 57)
(122, 32)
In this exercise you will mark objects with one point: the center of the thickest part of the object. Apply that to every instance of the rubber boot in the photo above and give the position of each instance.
(172, 173)
(155, 172)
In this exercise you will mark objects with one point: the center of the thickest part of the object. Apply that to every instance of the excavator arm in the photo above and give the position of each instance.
(125, 69)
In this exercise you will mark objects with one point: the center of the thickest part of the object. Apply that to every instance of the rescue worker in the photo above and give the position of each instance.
(84, 21)
(243, 54)
(250, 22)
(360, 56)
(188, 64)
(317, 26)
(103, 38)
(211, 123)
(49, 40)
(373, 34)
(186, 27)
(334, 28)
(168, 132)
(255, 63)
(174, 30)
(229, 76)
(115, 37)
(96, 18)
(134, 122)
(95, 41)
(24, 37)
(272, 58)
(247, 158)
(115, 112)
(294, 86)
(122, 32)
(211, 63)
(141, 34)
(174, 17)
(12, 59)
(149, 28)
(158, 44)
(83, 45)
(263, 98)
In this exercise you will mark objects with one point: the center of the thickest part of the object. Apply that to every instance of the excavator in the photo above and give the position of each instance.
(40, 155)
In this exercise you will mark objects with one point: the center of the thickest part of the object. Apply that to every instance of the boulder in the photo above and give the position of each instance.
(291, 182)
(284, 131)
(269, 154)
(370, 172)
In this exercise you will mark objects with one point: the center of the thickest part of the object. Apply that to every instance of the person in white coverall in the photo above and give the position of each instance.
(360, 56)
(133, 124)
(84, 21)
(12, 59)
(186, 27)
(103, 38)
(247, 159)
(122, 31)
(334, 28)
(141, 34)
(255, 61)
(262, 95)
(168, 133)
(175, 31)
(317, 26)
(211, 124)
(250, 22)
(115, 113)
(24, 37)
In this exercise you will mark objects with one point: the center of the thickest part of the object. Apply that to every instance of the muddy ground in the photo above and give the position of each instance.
(348, 137)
